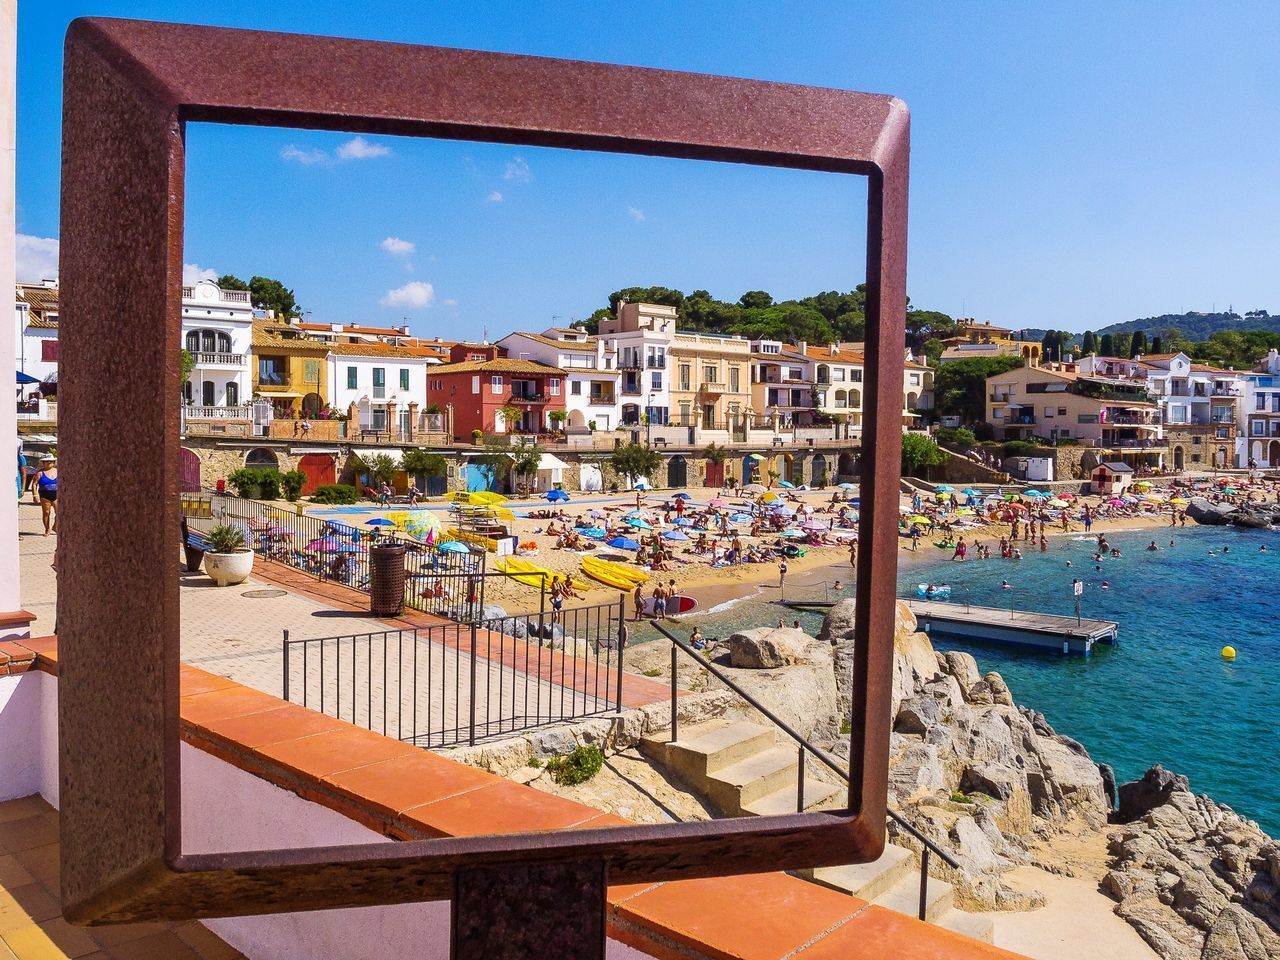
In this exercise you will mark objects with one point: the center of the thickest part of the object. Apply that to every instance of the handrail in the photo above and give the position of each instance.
(805, 746)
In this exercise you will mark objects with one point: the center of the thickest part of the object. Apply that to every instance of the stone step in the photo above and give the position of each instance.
(904, 897)
(733, 787)
(816, 794)
(705, 748)
(975, 926)
(868, 880)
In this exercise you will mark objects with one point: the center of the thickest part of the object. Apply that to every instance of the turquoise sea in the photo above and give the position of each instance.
(1164, 694)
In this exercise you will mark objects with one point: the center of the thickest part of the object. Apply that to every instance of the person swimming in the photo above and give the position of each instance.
(1006, 585)
(1152, 546)
(1106, 584)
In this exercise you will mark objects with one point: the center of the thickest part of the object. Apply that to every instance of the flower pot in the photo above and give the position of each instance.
(227, 569)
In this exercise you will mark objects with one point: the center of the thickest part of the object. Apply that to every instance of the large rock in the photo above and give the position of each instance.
(916, 771)
(1214, 514)
(917, 715)
(766, 648)
(1137, 798)
(963, 667)
(1237, 935)
(802, 694)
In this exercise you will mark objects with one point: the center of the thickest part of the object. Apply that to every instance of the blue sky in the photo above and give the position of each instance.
(1073, 165)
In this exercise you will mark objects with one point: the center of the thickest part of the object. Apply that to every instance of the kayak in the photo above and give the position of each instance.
(531, 574)
(476, 498)
(943, 591)
(675, 605)
(614, 574)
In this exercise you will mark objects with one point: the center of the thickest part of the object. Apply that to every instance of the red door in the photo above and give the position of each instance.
(189, 472)
(319, 470)
(715, 475)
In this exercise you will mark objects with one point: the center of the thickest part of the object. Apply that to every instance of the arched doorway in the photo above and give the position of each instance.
(847, 465)
(261, 457)
(677, 471)
(577, 418)
(312, 405)
(819, 471)
(319, 470)
(189, 471)
(1178, 458)
(1274, 457)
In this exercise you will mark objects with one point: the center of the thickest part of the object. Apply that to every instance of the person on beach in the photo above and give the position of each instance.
(853, 553)
(961, 549)
(782, 577)
(696, 641)
(638, 598)
(46, 490)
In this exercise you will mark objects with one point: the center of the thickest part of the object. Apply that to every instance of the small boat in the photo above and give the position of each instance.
(533, 575)
(614, 574)
(791, 550)
(675, 605)
(931, 592)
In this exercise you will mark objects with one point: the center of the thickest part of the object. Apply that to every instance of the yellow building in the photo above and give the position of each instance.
(710, 380)
(290, 370)
(987, 340)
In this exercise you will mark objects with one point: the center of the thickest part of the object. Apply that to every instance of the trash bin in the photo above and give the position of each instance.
(386, 579)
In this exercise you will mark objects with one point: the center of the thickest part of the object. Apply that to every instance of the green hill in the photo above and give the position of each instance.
(1197, 326)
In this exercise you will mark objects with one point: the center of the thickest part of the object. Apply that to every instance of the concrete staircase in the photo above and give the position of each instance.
(740, 769)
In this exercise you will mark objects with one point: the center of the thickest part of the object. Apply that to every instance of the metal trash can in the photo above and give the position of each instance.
(386, 579)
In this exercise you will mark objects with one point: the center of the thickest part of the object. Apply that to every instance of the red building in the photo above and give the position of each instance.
(479, 382)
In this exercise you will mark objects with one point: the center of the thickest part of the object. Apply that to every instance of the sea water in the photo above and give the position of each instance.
(1164, 694)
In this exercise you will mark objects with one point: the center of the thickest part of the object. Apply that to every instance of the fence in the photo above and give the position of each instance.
(458, 683)
(447, 584)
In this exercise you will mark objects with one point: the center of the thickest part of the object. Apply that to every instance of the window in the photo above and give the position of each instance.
(495, 383)
(49, 351)
(208, 341)
(1062, 411)
(1087, 418)
(1048, 412)
(233, 394)
(1260, 401)
(686, 413)
(379, 383)
(795, 373)
(686, 373)
(837, 374)
(206, 393)
(1258, 428)
(404, 378)
(1275, 403)
(915, 379)
(655, 381)
(855, 375)
(734, 379)
(709, 373)
(575, 388)
(555, 386)
(708, 414)
(378, 418)
(353, 378)
(272, 371)
(475, 384)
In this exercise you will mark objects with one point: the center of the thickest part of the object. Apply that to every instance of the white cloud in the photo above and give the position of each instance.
(493, 197)
(636, 214)
(450, 302)
(193, 273)
(415, 293)
(358, 148)
(397, 247)
(518, 171)
(36, 258)
(304, 157)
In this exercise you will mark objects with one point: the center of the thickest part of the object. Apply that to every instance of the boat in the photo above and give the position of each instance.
(533, 575)
(476, 498)
(614, 574)
(675, 605)
(929, 591)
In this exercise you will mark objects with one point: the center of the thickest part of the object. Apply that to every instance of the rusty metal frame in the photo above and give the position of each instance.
(130, 88)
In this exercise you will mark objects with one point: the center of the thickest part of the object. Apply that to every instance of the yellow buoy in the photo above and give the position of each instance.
(1228, 653)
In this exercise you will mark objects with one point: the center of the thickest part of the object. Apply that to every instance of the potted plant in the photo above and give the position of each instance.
(228, 560)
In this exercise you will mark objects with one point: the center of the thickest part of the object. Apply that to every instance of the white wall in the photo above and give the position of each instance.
(341, 396)
(29, 732)
(10, 594)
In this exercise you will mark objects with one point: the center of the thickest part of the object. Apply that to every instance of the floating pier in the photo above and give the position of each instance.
(1041, 631)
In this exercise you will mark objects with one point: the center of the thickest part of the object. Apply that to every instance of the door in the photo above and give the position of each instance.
(319, 470)
(189, 472)
(436, 486)
(479, 477)
(715, 474)
(206, 393)
(677, 471)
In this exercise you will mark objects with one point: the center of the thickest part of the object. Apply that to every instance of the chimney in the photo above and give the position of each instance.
(834, 348)
(802, 346)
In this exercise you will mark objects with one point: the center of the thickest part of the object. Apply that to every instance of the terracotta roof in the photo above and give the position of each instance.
(840, 356)
(378, 350)
(1209, 368)
(351, 328)
(1158, 356)
(500, 365)
(41, 300)
(579, 346)
(299, 344)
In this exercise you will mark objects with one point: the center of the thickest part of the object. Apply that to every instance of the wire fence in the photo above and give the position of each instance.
(458, 683)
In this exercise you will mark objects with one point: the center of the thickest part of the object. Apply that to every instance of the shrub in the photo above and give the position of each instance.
(1068, 442)
(576, 767)
(269, 483)
(959, 797)
(959, 436)
(1018, 448)
(262, 482)
(225, 538)
(244, 481)
(292, 483)
(339, 493)
(477, 436)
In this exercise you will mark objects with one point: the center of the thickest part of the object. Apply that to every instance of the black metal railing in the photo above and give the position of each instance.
(804, 748)
(456, 683)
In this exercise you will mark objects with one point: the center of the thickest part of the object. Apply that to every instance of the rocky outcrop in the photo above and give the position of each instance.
(803, 692)
(766, 648)
(1196, 880)
(1256, 515)
(1204, 511)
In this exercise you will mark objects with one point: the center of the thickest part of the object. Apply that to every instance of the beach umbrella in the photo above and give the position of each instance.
(971, 492)
(1143, 483)
(642, 486)
(379, 522)
(786, 483)
(683, 522)
(793, 532)
(681, 496)
(556, 495)
(813, 526)
(717, 502)
(754, 488)
(324, 545)
(595, 513)
(638, 523)
(770, 497)
(422, 525)
(1034, 493)
(622, 543)
(595, 533)
(968, 511)
(846, 486)
(675, 535)
(1115, 503)
(453, 546)
(943, 488)
(1055, 502)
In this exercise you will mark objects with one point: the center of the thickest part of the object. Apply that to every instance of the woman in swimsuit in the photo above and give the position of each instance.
(46, 487)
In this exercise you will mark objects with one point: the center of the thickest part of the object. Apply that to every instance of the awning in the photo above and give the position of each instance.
(25, 378)
(392, 452)
(330, 450)
(549, 461)
(280, 393)
(755, 457)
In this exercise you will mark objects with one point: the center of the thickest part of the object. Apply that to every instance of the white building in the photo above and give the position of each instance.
(217, 328)
(1260, 428)
(635, 342)
(36, 333)
(387, 385)
(592, 391)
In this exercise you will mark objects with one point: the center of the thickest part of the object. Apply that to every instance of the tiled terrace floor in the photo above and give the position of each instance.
(31, 924)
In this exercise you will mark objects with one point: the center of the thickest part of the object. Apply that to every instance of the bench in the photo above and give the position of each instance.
(195, 545)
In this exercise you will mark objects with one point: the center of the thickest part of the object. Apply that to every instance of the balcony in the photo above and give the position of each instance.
(630, 390)
(1020, 420)
(218, 359)
(228, 296)
(273, 379)
(527, 397)
(627, 362)
(602, 399)
(656, 363)
(1123, 420)
(710, 386)
(196, 411)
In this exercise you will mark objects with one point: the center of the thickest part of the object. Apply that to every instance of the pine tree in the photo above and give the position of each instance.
(1107, 346)
(1138, 344)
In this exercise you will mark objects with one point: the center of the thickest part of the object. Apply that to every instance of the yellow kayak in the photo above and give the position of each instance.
(477, 498)
(614, 574)
(531, 574)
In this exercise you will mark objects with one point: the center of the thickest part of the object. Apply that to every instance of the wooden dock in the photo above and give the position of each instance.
(1005, 627)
